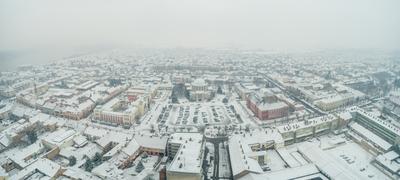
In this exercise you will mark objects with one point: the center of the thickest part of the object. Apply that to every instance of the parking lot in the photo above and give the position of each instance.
(199, 114)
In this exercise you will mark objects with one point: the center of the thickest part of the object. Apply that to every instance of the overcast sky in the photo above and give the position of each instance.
(266, 24)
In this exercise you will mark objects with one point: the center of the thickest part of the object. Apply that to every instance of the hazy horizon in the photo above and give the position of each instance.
(281, 25)
(37, 32)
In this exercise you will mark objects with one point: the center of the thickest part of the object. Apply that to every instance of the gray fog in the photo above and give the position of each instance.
(48, 25)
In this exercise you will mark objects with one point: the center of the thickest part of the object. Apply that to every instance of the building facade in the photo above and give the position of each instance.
(266, 107)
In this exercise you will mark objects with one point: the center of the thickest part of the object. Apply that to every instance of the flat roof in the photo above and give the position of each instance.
(153, 142)
(272, 106)
(377, 120)
(241, 154)
(43, 165)
(302, 124)
(307, 172)
(387, 160)
(188, 159)
(371, 136)
(60, 136)
(108, 107)
(326, 163)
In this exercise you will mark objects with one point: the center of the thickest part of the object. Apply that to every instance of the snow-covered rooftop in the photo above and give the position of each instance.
(241, 154)
(371, 136)
(377, 120)
(188, 159)
(326, 163)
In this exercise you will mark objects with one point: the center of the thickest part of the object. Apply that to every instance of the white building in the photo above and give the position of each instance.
(344, 96)
(390, 162)
(60, 138)
(117, 112)
(41, 169)
(199, 90)
(248, 151)
(326, 163)
(186, 151)
(299, 131)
